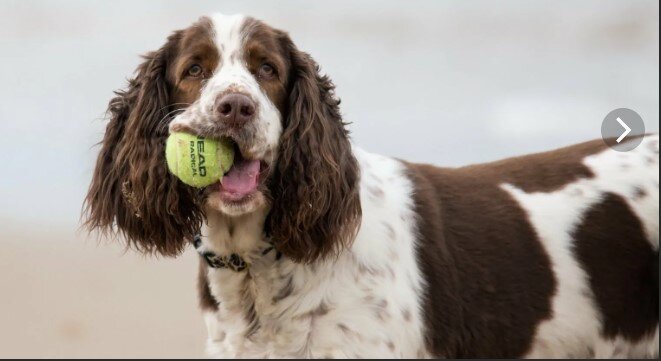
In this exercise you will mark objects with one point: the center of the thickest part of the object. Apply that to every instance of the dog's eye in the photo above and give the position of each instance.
(266, 71)
(194, 71)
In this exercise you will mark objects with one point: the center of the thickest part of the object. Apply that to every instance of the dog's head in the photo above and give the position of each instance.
(236, 77)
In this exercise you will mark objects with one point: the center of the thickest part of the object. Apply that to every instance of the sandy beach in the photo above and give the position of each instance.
(65, 296)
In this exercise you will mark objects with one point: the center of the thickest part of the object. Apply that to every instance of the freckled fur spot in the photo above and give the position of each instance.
(391, 346)
(406, 314)
(221, 337)
(285, 291)
(639, 193)
(651, 160)
(344, 328)
(392, 254)
(322, 310)
(390, 231)
(391, 272)
(376, 192)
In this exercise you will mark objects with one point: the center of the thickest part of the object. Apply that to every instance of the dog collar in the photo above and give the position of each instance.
(233, 261)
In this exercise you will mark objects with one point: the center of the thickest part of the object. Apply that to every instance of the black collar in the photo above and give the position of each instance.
(233, 261)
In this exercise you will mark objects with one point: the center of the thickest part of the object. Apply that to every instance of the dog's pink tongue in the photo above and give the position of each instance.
(241, 179)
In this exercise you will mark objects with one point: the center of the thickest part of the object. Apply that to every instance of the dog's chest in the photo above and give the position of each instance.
(363, 303)
(332, 309)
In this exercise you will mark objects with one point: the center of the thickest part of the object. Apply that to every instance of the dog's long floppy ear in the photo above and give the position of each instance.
(316, 206)
(132, 193)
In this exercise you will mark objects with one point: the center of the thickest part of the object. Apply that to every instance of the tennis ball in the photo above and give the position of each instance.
(198, 161)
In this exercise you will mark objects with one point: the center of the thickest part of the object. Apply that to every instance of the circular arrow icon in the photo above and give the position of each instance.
(622, 129)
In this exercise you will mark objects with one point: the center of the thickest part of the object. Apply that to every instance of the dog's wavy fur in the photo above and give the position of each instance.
(132, 191)
(315, 166)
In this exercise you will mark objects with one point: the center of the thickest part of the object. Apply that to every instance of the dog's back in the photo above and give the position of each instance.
(551, 254)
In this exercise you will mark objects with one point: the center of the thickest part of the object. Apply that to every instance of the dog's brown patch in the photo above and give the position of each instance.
(622, 267)
(490, 279)
(196, 47)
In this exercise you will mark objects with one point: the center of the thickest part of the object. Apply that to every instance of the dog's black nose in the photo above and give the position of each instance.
(235, 109)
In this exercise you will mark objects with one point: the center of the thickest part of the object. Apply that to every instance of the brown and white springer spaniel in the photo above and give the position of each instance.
(312, 247)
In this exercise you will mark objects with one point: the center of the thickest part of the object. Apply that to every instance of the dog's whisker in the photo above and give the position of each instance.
(163, 124)
(173, 105)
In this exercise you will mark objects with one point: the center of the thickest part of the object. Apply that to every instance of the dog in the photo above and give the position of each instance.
(313, 247)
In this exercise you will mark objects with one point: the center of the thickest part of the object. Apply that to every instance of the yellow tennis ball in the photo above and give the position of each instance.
(198, 161)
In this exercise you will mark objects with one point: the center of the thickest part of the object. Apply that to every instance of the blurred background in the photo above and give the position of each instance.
(445, 82)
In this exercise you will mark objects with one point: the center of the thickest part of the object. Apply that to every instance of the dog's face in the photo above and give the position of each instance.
(231, 81)
(234, 77)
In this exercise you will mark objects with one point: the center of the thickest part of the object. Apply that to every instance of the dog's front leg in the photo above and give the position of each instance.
(233, 325)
